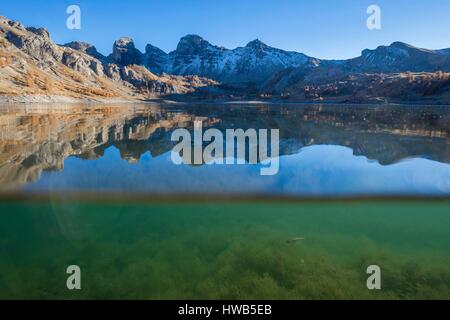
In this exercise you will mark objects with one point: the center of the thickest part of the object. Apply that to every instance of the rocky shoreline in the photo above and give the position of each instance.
(43, 99)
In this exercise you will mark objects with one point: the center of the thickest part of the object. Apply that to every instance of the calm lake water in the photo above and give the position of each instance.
(224, 249)
(324, 150)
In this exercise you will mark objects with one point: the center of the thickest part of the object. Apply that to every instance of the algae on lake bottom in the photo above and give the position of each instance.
(207, 250)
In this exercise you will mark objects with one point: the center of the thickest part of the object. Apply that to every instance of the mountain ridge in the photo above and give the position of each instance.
(32, 64)
(34, 67)
(195, 55)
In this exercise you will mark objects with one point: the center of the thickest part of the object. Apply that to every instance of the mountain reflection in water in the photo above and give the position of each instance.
(324, 149)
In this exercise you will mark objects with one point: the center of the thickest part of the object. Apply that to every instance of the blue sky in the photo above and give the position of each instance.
(319, 28)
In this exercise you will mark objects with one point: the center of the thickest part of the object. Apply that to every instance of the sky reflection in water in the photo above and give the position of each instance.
(325, 150)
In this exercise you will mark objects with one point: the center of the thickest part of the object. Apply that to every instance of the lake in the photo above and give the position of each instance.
(324, 150)
(96, 186)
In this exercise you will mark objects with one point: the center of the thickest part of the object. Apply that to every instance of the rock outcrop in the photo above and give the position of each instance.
(125, 53)
(86, 48)
(33, 66)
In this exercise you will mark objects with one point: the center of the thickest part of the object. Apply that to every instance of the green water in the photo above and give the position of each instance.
(213, 250)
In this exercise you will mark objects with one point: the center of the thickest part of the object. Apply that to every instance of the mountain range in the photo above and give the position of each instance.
(34, 68)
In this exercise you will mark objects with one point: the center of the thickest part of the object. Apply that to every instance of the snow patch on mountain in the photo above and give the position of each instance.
(254, 63)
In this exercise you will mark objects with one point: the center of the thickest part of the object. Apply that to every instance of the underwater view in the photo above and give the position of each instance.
(225, 158)
(98, 187)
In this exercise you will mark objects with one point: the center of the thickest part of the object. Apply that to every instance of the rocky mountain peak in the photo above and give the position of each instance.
(150, 49)
(386, 54)
(257, 45)
(39, 31)
(125, 53)
(12, 23)
(34, 41)
(396, 49)
(254, 63)
(401, 57)
(79, 45)
(86, 48)
(155, 59)
(192, 45)
(124, 42)
(401, 45)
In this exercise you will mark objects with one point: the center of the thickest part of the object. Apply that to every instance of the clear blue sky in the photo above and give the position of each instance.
(320, 28)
